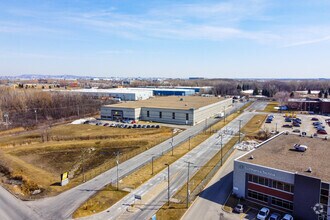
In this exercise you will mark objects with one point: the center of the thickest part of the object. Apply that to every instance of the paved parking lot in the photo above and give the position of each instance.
(305, 126)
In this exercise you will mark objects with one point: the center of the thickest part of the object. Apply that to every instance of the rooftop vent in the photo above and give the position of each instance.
(300, 147)
(309, 170)
(251, 157)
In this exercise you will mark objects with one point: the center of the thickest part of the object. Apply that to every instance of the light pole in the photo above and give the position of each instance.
(224, 114)
(276, 128)
(168, 183)
(152, 165)
(117, 164)
(83, 165)
(172, 135)
(187, 205)
(172, 147)
(189, 142)
(36, 114)
(239, 130)
(221, 147)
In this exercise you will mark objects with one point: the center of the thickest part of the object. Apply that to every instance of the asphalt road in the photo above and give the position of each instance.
(208, 204)
(11, 208)
(63, 205)
(154, 191)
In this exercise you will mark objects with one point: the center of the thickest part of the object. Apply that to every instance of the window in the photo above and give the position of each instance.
(282, 203)
(270, 183)
(187, 116)
(173, 115)
(258, 196)
(160, 115)
(148, 114)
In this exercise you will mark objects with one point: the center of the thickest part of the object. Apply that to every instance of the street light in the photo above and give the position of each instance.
(239, 130)
(188, 184)
(224, 114)
(172, 147)
(152, 165)
(117, 164)
(168, 183)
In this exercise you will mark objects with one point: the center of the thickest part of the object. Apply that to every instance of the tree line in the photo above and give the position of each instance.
(21, 107)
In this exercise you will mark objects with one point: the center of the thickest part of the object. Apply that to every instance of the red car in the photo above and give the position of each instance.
(322, 132)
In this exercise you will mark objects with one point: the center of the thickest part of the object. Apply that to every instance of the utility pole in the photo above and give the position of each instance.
(276, 128)
(239, 131)
(83, 165)
(35, 111)
(152, 165)
(168, 183)
(117, 164)
(172, 135)
(189, 142)
(188, 193)
(224, 114)
(172, 147)
(221, 148)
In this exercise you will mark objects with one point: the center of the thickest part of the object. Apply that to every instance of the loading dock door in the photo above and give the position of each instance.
(117, 114)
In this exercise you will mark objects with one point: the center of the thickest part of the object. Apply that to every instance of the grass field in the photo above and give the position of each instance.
(270, 107)
(142, 175)
(43, 156)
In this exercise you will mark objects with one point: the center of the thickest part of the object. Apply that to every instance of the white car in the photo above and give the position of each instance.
(287, 217)
(275, 216)
(263, 214)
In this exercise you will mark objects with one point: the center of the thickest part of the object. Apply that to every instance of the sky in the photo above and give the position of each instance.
(162, 38)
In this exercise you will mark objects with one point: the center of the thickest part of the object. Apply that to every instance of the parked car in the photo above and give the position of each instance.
(153, 126)
(275, 216)
(157, 126)
(287, 126)
(296, 124)
(86, 122)
(322, 132)
(314, 119)
(263, 214)
(287, 217)
(148, 126)
(144, 126)
(106, 124)
(268, 121)
(288, 120)
(296, 131)
(135, 126)
(139, 126)
(239, 208)
(300, 147)
(317, 123)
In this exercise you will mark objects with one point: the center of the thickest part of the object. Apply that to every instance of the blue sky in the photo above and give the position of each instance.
(162, 38)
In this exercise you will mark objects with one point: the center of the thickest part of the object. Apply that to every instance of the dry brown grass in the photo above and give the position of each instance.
(270, 107)
(253, 126)
(28, 156)
(140, 176)
(97, 203)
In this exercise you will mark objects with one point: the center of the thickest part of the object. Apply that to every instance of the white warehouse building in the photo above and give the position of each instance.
(187, 110)
(125, 94)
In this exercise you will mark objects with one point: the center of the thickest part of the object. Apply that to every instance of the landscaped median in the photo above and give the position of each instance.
(176, 210)
(134, 180)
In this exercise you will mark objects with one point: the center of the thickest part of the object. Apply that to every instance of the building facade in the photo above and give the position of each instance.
(288, 187)
(171, 110)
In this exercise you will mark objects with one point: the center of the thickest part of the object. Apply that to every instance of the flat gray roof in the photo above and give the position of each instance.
(171, 102)
(278, 153)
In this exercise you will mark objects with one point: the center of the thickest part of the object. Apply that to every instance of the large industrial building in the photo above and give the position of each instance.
(124, 94)
(172, 92)
(187, 110)
(278, 176)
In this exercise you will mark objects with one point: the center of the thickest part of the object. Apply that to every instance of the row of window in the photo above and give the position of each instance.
(282, 203)
(274, 201)
(324, 197)
(271, 183)
(173, 115)
(258, 196)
